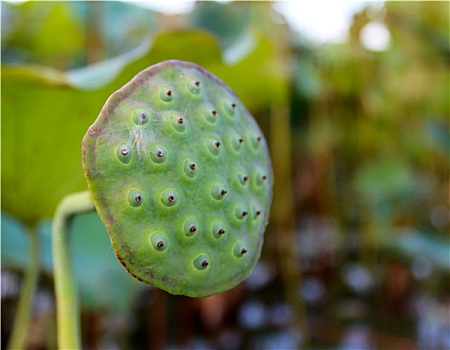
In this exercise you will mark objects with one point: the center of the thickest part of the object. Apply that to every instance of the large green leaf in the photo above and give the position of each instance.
(30, 33)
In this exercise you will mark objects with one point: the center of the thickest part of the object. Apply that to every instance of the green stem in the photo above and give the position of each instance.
(24, 308)
(67, 312)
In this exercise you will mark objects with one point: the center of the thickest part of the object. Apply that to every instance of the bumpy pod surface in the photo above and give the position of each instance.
(180, 174)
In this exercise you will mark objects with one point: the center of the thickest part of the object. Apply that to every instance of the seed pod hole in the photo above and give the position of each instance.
(140, 116)
(166, 94)
(243, 179)
(201, 262)
(124, 153)
(191, 227)
(158, 154)
(214, 146)
(159, 242)
(135, 198)
(230, 108)
(190, 168)
(260, 178)
(236, 142)
(240, 211)
(194, 86)
(169, 198)
(210, 114)
(218, 229)
(218, 191)
(240, 249)
(256, 141)
(178, 123)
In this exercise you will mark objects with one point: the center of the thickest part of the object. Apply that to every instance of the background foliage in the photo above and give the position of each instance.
(362, 169)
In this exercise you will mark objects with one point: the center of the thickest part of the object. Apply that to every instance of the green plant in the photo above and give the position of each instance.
(180, 174)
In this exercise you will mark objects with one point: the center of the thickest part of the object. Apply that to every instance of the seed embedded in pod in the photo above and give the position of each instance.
(218, 190)
(214, 146)
(158, 154)
(236, 142)
(169, 198)
(218, 229)
(166, 94)
(191, 227)
(135, 198)
(194, 87)
(201, 262)
(179, 123)
(260, 178)
(243, 179)
(230, 108)
(255, 141)
(159, 242)
(240, 249)
(140, 116)
(210, 114)
(124, 153)
(240, 211)
(190, 168)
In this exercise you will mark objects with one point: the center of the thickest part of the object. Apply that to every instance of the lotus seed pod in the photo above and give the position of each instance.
(180, 174)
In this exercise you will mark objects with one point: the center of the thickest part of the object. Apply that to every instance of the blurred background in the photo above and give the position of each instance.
(353, 98)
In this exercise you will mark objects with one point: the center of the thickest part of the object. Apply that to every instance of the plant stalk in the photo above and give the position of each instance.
(67, 310)
(24, 308)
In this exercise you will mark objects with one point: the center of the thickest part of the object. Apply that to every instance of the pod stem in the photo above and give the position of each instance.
(30, 280)
(67, 309)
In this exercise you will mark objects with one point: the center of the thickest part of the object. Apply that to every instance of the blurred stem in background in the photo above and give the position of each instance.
(96, 50)
(283, 209)
(68, 314)
(25, 306)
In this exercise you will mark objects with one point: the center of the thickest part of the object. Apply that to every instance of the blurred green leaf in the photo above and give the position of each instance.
(32, 27)
(227, 22)
(421, 244)
(386, 180)
(102, 280)
(14, 240)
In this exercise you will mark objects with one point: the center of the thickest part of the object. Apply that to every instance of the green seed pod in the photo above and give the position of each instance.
(180, 174)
